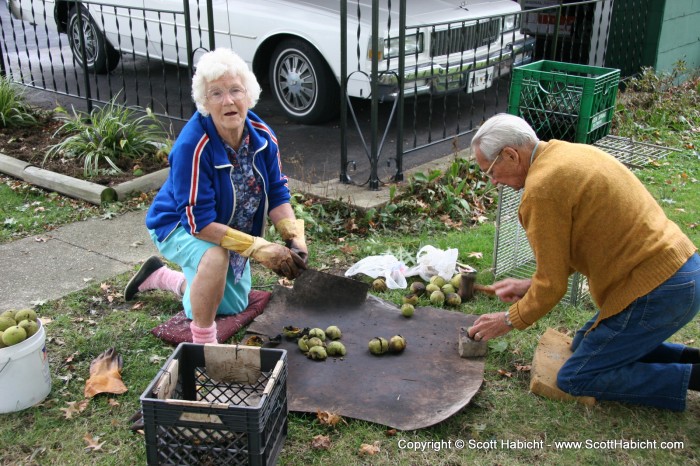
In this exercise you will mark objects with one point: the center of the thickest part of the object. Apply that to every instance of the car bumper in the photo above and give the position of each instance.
(473, 76)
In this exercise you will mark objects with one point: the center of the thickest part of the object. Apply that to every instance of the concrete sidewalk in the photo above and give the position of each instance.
(52, 265)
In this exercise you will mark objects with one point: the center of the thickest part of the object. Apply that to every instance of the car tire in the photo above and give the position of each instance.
(101, 55)
(303, 84)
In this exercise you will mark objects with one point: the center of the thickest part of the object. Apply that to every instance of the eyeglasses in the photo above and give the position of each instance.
(488, 170)
(217, 95)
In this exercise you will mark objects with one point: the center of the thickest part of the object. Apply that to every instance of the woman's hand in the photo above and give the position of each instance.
(292, 232)
(511, 290)
(489, 326)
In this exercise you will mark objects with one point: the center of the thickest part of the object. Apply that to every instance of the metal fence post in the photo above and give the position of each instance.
(86, 77)
(374, 109)
(398, 176)
(188, 42)
(3, 71)
(344, 178)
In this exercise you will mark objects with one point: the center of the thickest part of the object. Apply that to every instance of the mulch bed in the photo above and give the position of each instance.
(30, 144)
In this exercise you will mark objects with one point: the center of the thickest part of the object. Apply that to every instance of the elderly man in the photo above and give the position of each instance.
(584, 211)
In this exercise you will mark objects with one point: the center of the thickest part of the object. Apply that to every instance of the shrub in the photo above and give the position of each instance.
(110, 139)
(14, 112)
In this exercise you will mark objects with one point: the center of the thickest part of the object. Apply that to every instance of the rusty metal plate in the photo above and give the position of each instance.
(420, 387)
(314, 288)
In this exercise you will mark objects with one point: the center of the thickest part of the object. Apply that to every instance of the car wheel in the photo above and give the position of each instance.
(100, 56)
(303, 83)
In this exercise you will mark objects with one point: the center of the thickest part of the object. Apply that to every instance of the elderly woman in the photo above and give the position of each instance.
(209, 217)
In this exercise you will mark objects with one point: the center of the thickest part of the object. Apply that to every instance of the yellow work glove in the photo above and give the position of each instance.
(274, 256)
(293, 234)
(105, 375)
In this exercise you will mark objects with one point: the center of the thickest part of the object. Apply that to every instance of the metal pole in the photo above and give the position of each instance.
(374, 156)
(88, 94)
(556, 30)
(210, 17)
(398, 176)
(3, 71)
(344, 178)
(188, 42)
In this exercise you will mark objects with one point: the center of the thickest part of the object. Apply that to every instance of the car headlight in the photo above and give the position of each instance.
(511, 22)
(413, 45)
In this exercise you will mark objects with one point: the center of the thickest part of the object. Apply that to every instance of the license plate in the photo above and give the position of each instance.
(480, 80)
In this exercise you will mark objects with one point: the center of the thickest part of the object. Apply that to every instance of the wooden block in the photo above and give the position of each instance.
(552, 352)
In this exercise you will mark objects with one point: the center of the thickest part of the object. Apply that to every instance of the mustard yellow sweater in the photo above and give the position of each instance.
(584, 211)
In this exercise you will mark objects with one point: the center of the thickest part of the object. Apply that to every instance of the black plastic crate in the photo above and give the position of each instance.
(565, 101)
(217, 405)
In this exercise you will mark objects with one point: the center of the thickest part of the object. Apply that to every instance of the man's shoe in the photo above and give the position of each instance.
(151, 265)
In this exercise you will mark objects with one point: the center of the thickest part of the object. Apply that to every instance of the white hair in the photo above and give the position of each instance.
(213, 65)
(502, 130)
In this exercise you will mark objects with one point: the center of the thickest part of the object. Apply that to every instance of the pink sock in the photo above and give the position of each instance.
(164, 279)
(203, 335)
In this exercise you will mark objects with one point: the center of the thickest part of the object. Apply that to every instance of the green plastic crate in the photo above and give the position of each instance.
(565, 101)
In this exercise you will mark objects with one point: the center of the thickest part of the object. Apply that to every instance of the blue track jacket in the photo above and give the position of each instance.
(199, 191)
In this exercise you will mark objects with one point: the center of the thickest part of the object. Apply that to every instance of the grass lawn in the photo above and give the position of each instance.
(504, 423)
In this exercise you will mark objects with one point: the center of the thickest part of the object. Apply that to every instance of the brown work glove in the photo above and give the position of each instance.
(274, 256)
(105, 375)
(293, 234)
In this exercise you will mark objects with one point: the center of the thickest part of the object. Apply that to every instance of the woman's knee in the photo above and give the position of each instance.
(214, 260)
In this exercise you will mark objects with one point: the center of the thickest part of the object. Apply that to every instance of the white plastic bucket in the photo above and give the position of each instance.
(25, 379)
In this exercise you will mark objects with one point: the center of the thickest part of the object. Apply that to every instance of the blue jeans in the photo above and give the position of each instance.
(625, 358)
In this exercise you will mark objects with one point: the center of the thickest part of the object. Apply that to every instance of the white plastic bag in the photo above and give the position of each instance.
(432, 261)
(386, 266)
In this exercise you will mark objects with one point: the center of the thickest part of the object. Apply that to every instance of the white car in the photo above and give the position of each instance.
(450, 45)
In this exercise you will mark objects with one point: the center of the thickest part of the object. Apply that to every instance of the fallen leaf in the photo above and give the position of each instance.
(136, 244)
(104, 287)
(390, 432)
(113, 403)
(39, 239)
(476, 255)
(523, 368)
(504, 373)
(321, 442)
(137, 306)
(254, 340)
(285, 282)
(329, 419)
(346, 249)
(156, 359)
(74, 407)
(367, 449)
(92, 444)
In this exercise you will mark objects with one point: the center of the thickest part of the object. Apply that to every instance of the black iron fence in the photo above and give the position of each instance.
(143, 57)
(115, 52)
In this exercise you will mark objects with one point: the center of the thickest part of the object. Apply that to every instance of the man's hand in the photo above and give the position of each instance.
(511, 290)
(489, 326)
